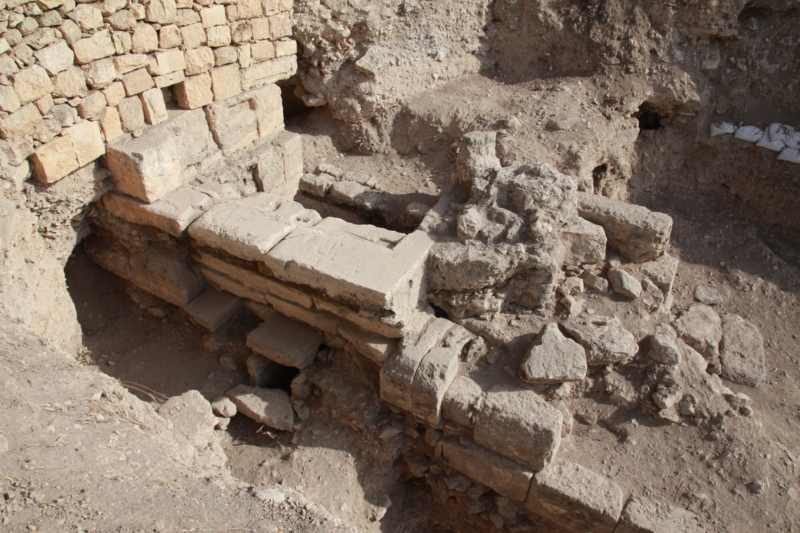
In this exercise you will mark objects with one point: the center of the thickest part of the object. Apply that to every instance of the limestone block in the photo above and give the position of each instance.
(187, 17)
(155, 110)
(328, 258)
(554, 358)
(148, 167)
(92, 106)
(662, 272)
(245, 55)
(638, 233)
(144, 40)
(269, 71)
(111, 124)
(241, 32)
(604, 338)
(9, 102)
(217, 36)
(271, 407)
(319, 320)
(434, 375)
(101, 73)
(87, 16)
(250, 227)
(742, 351)
(194, 92)
(169, 36)
(213, 308)
(32, 83)
(168, 80)
(649, 516)
(375, 347)
(45, 104)
(397, 374)
(193, 35)
(195, 141)
(123, 42)
(260, 28)
(162, 11)
(95, 47)
(122, 21)
(165, 62)
(285, 47)
(285, 342)
(233, 126)
(137, 82)
(130, 62)
(263, 50)
(171, 214)
(131, 114)
(701, 328)
(224, 283)
(462, 401)
(576, 498)
(19, 123)
(280, 25)
(244, 9)
(520, 425)
(54, 160)
(213, 16)
(225, 82)
(7, 65)
(87, 140)
(508, 478)
(225, 55)
(70, 31)
(624, 283)
(199, 60)
(55, 58)
(583, 242)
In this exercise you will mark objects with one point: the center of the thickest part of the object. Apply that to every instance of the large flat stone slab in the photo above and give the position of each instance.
(648, 516)
(271, 407)
(363, 265)
(171, 214)
(285, 341)
(213, 308)
(520, 425)
(250, 227)
(604, 338)
(510, 479)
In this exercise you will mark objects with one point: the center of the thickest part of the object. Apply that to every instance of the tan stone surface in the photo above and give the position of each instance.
(218, 36)
(194, 92)
(169, 36)
(114, 93)
(137, 82)
(193, 35)
(92, 106)
(19, 123)
(54, 160)
(263, 50)
(101, 73)
(145, 39)
(155, 110)
(69, 83)
(285, 47)
(32, 83)
(95, 47)
(148, 167)
(225, 82)
(170, 79)
(199, 60)
(213, 16)
(131, 113)
(165, 62)
(111, 124)
(162, 11)
(55, 58)
(87, 140)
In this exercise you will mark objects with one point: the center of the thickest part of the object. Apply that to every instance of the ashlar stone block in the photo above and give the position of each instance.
(285, 342)
(508, 478)
(212, 308)
(171, 214)
(148, 167)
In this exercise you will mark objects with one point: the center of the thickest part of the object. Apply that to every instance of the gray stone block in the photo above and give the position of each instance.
(510, 479)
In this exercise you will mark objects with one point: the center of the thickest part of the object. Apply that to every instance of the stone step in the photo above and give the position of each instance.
(285, 342)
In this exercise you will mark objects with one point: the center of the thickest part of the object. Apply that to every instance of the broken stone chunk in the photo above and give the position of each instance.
(664, 349)
(595, 282)
(624, 283)
(583, 242)
(604, 338)
(271, 407)
(223, 407)
(648, 516)
(707, 295)
(489, 468)
(741, 351)
(554, 359)
(701, 328)
(213, 308)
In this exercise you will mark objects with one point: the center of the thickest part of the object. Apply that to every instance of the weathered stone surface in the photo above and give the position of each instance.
(147, 168)
(488, 468)
(130, 62)
(224, 407)
(285, 342)
(111, 124)
(217, 36)
(87, 16)
(397, 374)
(32, 83)
(701, 328)
(87, 140)
(271, 407)
(199, 60)
(122, 20)
(269, 71)
(280, 25)
(9, 102)
(250, 227)
(213, 16)
(327, 258)
(225, 55)
(742, 351)
(162, 63)
(137, 82)
(462, 401)
(55, 58)
(664, 347)
(285, 47)
(54, 160)
(371, 345)
(434, 375)
(69, 83)
(131, 113)
(154, 107)
(191, 416)
(638, 233)
(194, 92)
(624, 283)
(225, 82)
(92, 105)
(576, 498)
(101, 73)
(19, 123)
(648, 516)
(172, 214)
(554, 358)
(193, 35)
(168, 80)
(144, 40)
(169, 36)
(477, 157)
(95, 47)
(520, 425)
(604, 338)
(234, 125)
(707, 295)
(162, 11)
(263, 50)
(583, 242)
(213, 308)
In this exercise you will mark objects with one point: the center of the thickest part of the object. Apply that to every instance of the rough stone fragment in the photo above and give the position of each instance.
(95, 47)
(213, 308)
(122, 20)
(65, 114)
(434, 375)
(191, 416)
(162, 11)
(217, 36)
(742, 351)
(144, 40)
(19, 123)
(168, 80)
(87, 16)
(224, 407)
(260, 28)
(92, 106)
(520, 425)
(54, 160)
(234, 126)
(169, 36)
(648, 516)
(147, 168)
(225, 82)
(604, 338)
(70, 31)
(55, 58)
(131, 113)
(285, 342)
(701, 328)
(664, 348)
(46, 130)
(187, 17)
(462, 401)
(241, 32)
(155, 110)
(554, 358)
(263, 50)
(69, 83)
(271, 407)
(199, 60)
(111, 124)
(638, 233)
(268, 107)
(137, 82)
(624, 283)
(269, 71)
(373, 346)
(280, 25)
(250, 227)
(285, 47)
(194, 92)
(9, 102)
(130, 62)
(87, 140)
(101, 73)
(583, 242)
(707, 295)
(171, 214)
(576, 498)
(123, 42)
(488, 468)
(213, 16)
(193, 35)
(32, 83)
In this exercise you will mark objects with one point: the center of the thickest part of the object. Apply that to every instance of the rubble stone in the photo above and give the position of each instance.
(583, 242)
(20, 123)
(648, 516)
(707, 295)
(32, 83)
(55, 58)
(554, 358)
(69, 83)
(701, 328)
(224, 407)
(92, 105)
(271, 407)
(144, 39)
(137, 82)
(664, 349)
(130, 62)
(54, 160)
(434, 375)
(87, 140)
(624, 283)
(462, 401)
(194, 92)
(171, 214)
(604, 338)
(742, 351)
(285, 342)
(95, 47)
(101, 73)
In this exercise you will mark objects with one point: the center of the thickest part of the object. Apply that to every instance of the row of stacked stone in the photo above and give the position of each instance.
(76, 76)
